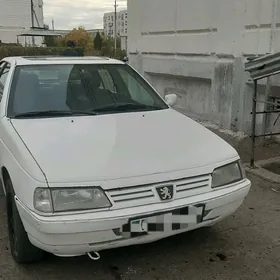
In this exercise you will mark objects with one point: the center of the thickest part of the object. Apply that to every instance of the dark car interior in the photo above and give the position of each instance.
(82, 89)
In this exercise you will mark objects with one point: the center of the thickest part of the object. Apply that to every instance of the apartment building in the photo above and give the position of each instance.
(109, 24)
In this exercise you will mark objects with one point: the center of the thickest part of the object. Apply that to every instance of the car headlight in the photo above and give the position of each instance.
(227, 174)
(71, 199)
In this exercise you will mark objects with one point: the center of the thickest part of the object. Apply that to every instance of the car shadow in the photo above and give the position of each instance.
(116, 262)
(150, 259)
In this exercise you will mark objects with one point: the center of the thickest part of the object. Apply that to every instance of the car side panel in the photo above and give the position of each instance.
(22, 168)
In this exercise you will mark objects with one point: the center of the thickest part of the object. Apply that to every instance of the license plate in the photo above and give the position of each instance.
(166, 221)
(139, 226)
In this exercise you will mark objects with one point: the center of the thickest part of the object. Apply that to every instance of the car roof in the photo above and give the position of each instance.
(41, 60)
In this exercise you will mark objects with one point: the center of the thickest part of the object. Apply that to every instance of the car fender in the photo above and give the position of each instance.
(21, 166)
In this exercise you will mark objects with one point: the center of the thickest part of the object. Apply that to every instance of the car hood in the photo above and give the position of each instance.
(104, 147)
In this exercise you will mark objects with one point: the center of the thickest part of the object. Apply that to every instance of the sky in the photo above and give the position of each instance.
(68, 14)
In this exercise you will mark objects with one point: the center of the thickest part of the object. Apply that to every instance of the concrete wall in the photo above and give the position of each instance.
(15, 17)
(197, 49)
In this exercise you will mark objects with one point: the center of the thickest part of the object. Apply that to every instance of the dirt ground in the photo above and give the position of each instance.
(244, 246)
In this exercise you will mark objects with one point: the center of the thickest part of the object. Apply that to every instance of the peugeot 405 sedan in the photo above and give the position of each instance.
(93, 158)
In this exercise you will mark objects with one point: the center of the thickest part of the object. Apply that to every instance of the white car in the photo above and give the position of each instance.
(92, 158)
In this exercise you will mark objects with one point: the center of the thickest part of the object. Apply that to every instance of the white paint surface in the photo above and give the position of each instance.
(104, 148)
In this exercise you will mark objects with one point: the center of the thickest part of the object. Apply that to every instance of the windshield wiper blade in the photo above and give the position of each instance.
(54, 113)
(125, 107)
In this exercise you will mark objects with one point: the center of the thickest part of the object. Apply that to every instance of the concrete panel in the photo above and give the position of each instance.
(194, 94)
(256, 41)
(134, 28)
(266, 11)
(276, 45)
(188, 13)
(230, 24)
(236, 27)
(195, 43)
(253, 12)
(238, 92)
(158, 43)
(222, 89)
(179, 66)
(158, 15)
(201, 46)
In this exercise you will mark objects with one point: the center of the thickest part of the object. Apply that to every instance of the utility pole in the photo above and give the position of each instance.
(115, 27)
(32, 20)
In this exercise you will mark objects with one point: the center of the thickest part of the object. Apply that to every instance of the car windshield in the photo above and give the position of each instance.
(56, 90)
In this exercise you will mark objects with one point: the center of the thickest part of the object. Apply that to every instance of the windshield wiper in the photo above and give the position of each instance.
(54, 113)
(126, 107)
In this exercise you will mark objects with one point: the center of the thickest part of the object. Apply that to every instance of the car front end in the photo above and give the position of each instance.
(80, 220)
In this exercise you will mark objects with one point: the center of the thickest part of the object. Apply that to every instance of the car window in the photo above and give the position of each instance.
(135, 89)
(4, 71)
(84, 87)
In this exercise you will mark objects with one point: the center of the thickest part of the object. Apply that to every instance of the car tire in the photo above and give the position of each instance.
(21, 248)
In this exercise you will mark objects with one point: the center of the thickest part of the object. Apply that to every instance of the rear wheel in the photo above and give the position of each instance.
(21, 248)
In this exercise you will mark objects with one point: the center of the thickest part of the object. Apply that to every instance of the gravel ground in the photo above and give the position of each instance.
(244, 246)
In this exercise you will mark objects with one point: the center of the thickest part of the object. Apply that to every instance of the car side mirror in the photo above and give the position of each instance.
(171, 99)
(125, 59)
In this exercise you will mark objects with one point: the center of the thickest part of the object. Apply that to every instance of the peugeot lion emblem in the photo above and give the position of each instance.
(165, 192)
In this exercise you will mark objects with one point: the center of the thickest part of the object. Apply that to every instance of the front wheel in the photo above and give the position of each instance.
(21, 248)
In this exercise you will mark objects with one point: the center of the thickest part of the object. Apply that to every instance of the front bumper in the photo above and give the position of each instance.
(73, 235)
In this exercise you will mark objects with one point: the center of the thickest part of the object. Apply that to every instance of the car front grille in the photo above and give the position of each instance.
(146, 194)
(192, 184)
